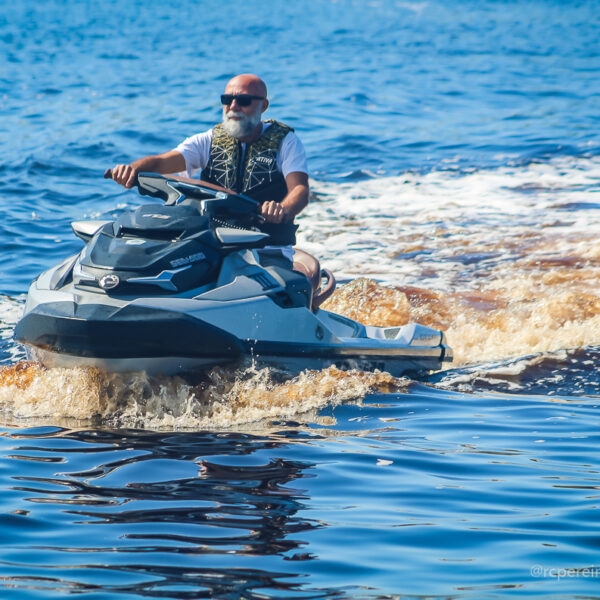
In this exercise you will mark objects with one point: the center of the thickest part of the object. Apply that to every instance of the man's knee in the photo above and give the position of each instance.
(274, 258)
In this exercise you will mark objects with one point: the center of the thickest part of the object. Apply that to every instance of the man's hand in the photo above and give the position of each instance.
(273, 212)
(169, 162)
(125, 175)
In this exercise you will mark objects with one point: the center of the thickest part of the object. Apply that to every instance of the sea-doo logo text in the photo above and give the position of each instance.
(186, 260)
(157, 216)
(108, 282)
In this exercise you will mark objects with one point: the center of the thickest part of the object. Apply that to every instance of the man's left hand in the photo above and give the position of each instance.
(273, 212)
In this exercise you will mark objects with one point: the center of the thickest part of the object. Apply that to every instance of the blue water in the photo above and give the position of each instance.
(459, 488)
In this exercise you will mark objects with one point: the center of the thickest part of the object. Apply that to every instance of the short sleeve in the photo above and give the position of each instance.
(196, 151)
(291, 156)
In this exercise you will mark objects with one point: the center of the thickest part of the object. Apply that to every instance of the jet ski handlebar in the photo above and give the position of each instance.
(215, 200)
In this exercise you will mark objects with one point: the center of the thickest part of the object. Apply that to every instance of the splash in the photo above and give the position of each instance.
(540, 313)
(506, 261)
(20, 375)
(512, 316)
(371, 304)
(224, 398)
(451, 231)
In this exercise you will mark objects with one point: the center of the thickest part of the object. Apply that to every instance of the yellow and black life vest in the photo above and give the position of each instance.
(253, 173)
(259, 168)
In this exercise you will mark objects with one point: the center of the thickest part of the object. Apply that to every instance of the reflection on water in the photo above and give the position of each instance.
(440, 487)
(136, 502)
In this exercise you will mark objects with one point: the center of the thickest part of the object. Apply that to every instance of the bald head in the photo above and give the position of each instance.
(247, 83)
(242, 119)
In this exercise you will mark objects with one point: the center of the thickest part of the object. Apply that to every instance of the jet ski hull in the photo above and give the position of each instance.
(181, 365)
(131, 332)
(132, 337)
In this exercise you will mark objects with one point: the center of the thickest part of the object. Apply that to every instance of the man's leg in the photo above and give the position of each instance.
(274, 257)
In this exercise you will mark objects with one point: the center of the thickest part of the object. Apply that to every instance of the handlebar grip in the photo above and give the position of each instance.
(108, 174)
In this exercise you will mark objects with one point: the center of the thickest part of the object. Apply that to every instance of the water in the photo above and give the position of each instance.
(455, 169)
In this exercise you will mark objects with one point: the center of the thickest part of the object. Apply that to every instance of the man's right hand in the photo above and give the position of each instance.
(126, 175)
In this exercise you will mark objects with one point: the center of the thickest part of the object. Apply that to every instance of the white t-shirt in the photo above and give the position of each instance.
(291, 156)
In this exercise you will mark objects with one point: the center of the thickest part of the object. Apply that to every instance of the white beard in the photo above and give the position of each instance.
(245, 126)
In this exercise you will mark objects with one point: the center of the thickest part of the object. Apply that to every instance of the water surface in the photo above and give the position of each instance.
(455, 170)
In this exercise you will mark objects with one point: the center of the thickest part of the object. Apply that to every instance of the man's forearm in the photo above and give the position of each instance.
(170, 162)
(150, 164)
(296, 201)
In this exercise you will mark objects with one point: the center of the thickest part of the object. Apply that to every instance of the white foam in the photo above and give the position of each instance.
(435, 219)
(225, 398)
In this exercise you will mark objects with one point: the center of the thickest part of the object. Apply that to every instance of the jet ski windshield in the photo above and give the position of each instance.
(174, 190)
(153, 221)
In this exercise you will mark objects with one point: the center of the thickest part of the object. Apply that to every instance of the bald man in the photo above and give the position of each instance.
(261, 159)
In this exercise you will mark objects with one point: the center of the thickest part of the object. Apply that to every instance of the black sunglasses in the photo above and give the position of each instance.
(241, 99)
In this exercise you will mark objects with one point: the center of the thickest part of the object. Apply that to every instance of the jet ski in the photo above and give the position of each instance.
(178, 287)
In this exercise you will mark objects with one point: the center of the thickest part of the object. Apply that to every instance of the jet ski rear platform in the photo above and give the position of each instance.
(178, 288)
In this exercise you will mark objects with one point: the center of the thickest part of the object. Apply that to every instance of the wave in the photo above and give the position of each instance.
(565, 375)
(505, 261)
(222, 398)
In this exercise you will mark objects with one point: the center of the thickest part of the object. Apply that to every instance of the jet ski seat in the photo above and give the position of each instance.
(309, 266)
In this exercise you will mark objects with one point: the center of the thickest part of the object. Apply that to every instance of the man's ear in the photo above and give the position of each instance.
(265, 105)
